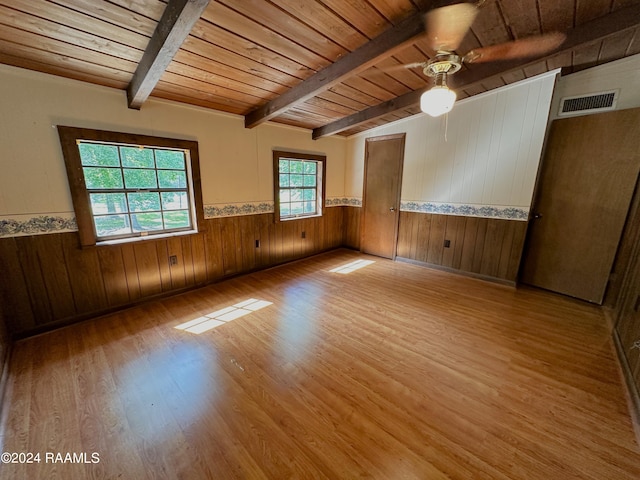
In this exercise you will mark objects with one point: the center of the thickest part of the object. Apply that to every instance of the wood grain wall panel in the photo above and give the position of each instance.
(83, 267)
(282, 240)
(517, 248)
(113, 275)
(52, 281)
(146, 258)
(623, 299)
(414, 239)
(420, 236)
(288, 234)
(626, 316)
(351, 228)
(325, 233)
(177, 270)
(187, 261)
(492, 248)
(30, 263)
(163, 266)
(506, 249)
(403, 248)
(485, 246)
(275, 242)
(336, 222)
(14, 292)
(55, 275)
(33, 274)
(452, 254)
(263, 252)
(479, 245)
(298, 241)
(436, 239)
(228, 244)
(247, 226)
(198, 258)
(292, 239)
(302, 243)
(469, 243)
(131, 271)
(623, 259)
(311, 243)
(306, 243)
(213, 249)
(242, 257)
(271, 246)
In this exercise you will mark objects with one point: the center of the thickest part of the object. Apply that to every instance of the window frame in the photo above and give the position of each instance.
(69, 139)
(320, 186)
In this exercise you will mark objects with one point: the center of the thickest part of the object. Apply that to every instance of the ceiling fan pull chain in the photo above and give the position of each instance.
(446, 125)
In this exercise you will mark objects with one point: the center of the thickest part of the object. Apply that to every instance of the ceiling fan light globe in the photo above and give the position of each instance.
(437, 101)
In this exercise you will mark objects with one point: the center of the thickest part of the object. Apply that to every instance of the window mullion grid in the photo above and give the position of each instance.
(160, 191)
(288, 188)
(155, 171)
(124, 190)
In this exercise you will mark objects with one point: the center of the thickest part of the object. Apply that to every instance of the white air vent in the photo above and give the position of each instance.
(597, 102)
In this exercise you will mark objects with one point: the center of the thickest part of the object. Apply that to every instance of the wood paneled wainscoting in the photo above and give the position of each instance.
(48, 280)
(352, 227)
(487, 247)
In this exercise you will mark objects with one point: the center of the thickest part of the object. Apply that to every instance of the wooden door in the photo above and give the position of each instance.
(585, 188)
(384, 157)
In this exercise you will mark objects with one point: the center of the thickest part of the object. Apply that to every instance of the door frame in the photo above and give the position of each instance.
(368, 141)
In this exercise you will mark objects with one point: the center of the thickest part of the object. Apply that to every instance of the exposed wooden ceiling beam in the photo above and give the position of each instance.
(173, 28)
(387, 43)
(585, 34)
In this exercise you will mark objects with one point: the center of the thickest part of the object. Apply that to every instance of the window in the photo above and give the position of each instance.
(131, 186)
(298, 184)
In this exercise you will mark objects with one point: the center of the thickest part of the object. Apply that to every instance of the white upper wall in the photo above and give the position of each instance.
(490, 155)
(235, 163)
(623, 74)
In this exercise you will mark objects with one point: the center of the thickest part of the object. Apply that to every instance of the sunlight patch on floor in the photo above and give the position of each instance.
(220, 317)
(350, 267)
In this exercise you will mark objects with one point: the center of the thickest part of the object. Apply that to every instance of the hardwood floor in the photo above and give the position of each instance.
(392, 371)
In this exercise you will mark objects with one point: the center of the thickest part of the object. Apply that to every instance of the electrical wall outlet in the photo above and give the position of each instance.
(304, 235)
(173, 260)
(447, 243)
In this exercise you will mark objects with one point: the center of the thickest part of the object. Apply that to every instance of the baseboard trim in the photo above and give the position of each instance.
(633, 396)
(465, 273)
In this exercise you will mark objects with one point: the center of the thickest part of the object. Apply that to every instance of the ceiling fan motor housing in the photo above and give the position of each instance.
(443, 62)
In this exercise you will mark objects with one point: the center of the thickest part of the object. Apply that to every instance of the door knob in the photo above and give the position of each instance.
(392, 209)
(537, 215)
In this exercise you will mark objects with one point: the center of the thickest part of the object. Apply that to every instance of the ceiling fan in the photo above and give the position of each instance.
(445, 30)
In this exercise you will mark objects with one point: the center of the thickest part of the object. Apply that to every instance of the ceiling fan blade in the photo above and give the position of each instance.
(447, 26)
(406, 66)
(527, 47)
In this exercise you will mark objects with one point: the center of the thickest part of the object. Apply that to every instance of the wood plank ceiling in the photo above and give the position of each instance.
(242, 56)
